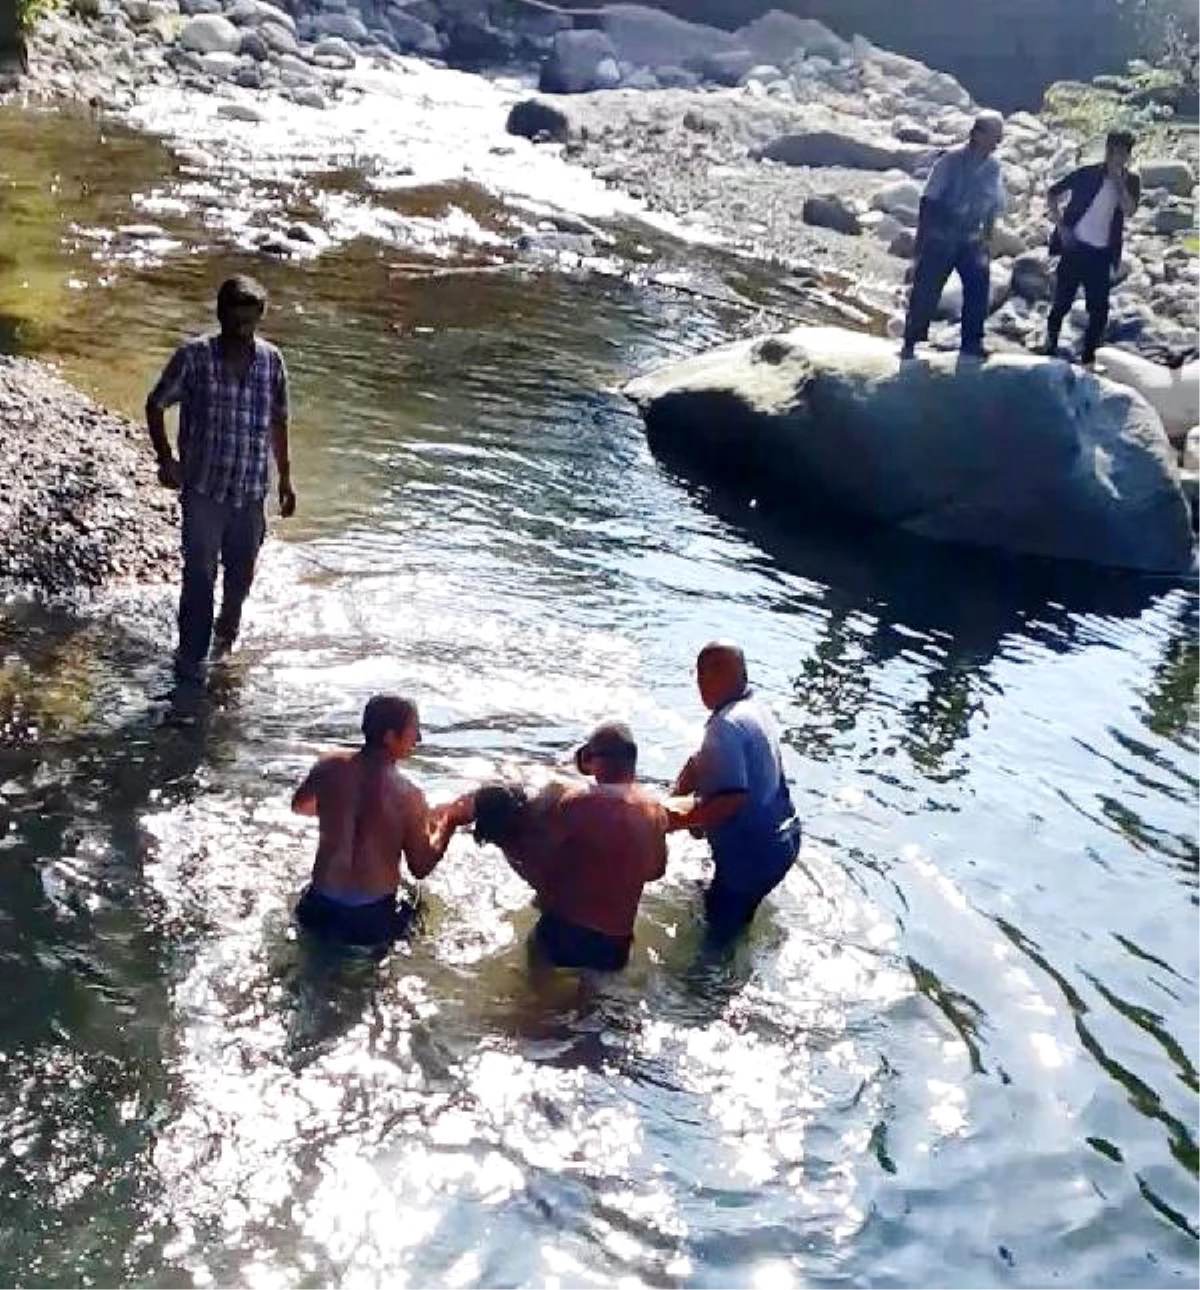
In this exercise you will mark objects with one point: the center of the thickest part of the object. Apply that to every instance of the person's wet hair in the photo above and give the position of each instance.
(1121, 140)
(497, 807)
(612, 741)
(386, 714)
(241, 290)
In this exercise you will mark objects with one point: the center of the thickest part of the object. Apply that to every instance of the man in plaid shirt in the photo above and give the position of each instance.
(232, 392)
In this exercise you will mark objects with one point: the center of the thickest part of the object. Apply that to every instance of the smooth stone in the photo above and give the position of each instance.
(341, 26)
(819, 148)
(210, 34)
(1169, 173)
(579, 61)
(901, 200)
(1174, 393)
(412, 34)
(240, 111)
(1031, 277)
(221, 65)
(279, 40)
(309, 96)
(536, 119)
(1174, 219)
(831, 212)
(334, 52)
(1058, 464)
(254, 45)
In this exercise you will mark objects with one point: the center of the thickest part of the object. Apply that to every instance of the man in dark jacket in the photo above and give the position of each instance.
(1089, 208)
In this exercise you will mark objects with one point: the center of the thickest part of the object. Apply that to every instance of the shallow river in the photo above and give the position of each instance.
(960, 1045)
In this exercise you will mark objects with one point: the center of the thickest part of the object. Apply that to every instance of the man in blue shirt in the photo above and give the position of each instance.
(963, 196)
(740, 796)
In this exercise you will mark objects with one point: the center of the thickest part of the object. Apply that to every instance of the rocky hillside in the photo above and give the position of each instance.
(1005, 51)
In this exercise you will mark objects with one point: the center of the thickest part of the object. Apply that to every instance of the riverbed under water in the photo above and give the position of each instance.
(959, 1046)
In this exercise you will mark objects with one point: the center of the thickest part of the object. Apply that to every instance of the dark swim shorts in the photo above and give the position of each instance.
(378, 923)
(568, 945)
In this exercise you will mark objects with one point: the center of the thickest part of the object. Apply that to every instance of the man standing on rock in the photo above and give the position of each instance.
(740, 798)
(1089, 208)
(232, 392)
(963, 196)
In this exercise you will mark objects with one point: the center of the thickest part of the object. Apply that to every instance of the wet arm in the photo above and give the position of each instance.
(420, 851)
(707, 813)
(685, 781)
(304, 799)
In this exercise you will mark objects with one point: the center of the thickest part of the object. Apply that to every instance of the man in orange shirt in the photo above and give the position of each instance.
(587, 852)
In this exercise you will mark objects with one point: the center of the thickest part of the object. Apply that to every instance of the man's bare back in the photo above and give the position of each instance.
(370, 818)
(370, 815)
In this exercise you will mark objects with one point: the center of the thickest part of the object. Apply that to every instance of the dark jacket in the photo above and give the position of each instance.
(1083, 185)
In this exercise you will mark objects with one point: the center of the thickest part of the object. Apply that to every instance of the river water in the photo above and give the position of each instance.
(959, 1046)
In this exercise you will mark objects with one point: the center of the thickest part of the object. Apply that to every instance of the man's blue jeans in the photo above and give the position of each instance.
(933, 267)
(215, 533)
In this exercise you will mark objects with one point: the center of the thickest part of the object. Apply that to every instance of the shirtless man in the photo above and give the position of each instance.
(369, 816)
(586, 852)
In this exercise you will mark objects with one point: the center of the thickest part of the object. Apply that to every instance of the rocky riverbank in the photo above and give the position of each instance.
(782, 139)
(80, 508)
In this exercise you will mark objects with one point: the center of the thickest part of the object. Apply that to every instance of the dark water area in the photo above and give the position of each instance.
(959, 1046)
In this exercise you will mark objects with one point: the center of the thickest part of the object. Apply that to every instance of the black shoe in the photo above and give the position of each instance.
(1049, 351)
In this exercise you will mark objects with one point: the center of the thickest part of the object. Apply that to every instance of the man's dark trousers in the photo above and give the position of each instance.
(1089, 267)
(215, 533)
(934, 266)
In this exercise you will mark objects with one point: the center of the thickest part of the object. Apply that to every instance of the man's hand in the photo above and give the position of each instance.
(287, 498)
(169, 473)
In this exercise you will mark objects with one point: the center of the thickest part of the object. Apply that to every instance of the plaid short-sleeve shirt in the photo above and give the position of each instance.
(224, 423)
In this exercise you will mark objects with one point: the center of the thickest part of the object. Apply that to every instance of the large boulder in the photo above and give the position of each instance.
(776, 36)
(580, 61)
(1019, 453)
(210, 34)
(647, 37)
(821, 148)
(1173, 392)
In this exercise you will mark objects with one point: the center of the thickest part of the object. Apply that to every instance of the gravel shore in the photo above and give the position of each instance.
(80, 508)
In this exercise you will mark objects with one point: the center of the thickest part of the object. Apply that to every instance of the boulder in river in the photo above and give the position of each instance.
(580, 61)
(820, 148)
(210, 34)
(1022, 454)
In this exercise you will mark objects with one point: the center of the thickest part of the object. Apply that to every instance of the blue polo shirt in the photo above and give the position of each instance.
(740, 754)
